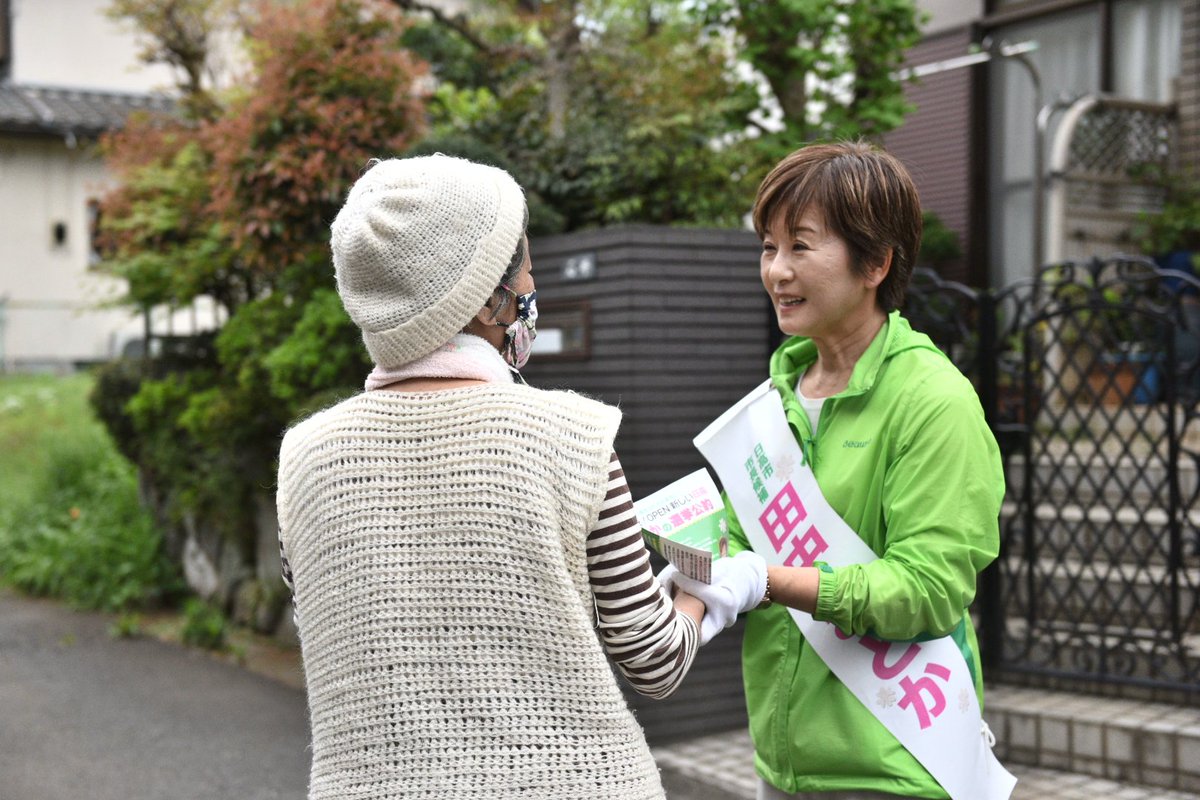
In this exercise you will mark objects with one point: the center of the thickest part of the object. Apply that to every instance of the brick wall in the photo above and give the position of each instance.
(1189, 88)
(5, 39)
(935, 140)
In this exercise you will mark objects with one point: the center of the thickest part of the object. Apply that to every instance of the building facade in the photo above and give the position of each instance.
(67, 74)
(973, 140)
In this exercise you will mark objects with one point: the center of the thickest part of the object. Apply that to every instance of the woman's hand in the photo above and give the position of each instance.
(738, 585)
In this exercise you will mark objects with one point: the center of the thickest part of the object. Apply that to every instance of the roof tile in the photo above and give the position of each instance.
(61, 111)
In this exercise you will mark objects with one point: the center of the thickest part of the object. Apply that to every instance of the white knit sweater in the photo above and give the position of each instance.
(437, 547)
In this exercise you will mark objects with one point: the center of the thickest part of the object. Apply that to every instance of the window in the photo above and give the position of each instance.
(1137, 49)
(1068, 61)
(1146, 44)
(93, 227)
(564, 331)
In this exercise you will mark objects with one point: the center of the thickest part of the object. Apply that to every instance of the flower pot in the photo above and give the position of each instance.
(1121, 378)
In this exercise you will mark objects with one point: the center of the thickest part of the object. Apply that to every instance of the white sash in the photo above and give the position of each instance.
(921, 692)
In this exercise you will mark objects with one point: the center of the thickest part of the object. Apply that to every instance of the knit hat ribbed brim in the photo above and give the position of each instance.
(419, 247)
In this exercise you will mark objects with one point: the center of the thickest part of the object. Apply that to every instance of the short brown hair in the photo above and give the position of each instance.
(865, 195)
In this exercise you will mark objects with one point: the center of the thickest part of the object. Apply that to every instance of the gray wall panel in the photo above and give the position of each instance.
(680, 331)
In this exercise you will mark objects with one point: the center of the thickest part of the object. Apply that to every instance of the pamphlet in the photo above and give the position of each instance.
(685, 524)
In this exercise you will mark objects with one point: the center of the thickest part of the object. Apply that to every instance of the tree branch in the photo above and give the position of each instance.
(756, 124)
(457, 23)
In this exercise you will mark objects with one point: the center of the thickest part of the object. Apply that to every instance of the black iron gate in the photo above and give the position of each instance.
(1090, 377)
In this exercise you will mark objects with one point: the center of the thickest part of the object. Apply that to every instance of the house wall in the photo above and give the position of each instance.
(48, 314)
(71, 43)
(48, 295)
(969, 142)
(49, 319)
(50, 299)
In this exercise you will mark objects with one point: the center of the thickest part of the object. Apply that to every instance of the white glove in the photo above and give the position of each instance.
(738, 585)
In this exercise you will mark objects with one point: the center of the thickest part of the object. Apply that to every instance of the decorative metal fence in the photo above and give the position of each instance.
(1090, 377)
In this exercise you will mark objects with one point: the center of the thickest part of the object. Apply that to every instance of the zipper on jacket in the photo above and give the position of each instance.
(808, 447)
(807, 443)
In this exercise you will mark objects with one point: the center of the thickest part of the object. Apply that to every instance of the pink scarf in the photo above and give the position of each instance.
(464, 356)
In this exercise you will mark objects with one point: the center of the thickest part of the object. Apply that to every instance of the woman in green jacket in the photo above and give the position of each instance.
(899, 447)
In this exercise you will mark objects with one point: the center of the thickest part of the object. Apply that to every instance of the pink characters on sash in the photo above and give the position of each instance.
(781, 519)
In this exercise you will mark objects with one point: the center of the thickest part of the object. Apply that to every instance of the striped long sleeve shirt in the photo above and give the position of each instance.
(651, 643)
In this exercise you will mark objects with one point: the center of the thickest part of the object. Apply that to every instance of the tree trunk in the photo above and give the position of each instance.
(562, 49)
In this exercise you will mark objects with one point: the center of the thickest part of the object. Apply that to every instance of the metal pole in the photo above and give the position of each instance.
(1041, 120)
(991, 605)
(1018, 52)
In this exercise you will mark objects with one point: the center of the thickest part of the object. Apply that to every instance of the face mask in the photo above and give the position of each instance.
(519, 336)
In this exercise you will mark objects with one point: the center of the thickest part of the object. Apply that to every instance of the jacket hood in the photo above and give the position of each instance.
(896, 336)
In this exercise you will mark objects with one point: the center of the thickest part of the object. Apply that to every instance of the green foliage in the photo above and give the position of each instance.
(830, 66)
(645, 153)
(203, 625)
(323, 350)
(1177, 225)
(235, 204)
(126, 626)
(543, 218)
(639, 111)
(332, 88)
(939, 244)
(452, 60)
(71, 526)
(155, 232)
(1096, 310)
(609, 113)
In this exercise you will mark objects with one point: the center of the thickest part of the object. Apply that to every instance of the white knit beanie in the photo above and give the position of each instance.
(419, 247)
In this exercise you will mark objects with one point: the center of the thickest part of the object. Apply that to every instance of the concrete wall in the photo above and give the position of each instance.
(51, 317)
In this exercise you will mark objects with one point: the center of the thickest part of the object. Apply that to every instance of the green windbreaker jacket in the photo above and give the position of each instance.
(906, 459)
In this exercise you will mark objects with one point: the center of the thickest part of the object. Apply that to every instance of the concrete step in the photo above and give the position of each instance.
(1140, 430)
(1098, 591)
(721, 767)
(1141, 654)
(1122, 533)
(1129, 741)
(1051, 784)
(1088, 474)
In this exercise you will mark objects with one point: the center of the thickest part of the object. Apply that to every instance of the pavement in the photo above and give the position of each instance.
(723, 765)
(86, 715)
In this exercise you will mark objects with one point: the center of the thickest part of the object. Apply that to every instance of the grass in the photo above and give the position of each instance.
(34, 410)
(71, 528)
(71, 525)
